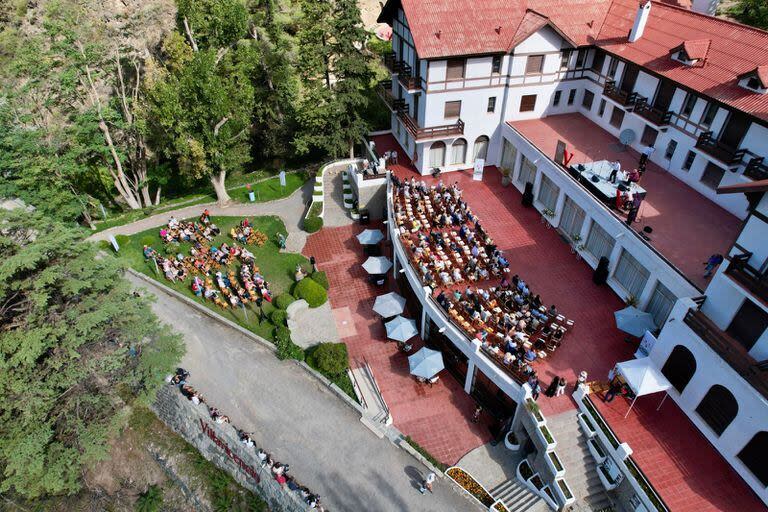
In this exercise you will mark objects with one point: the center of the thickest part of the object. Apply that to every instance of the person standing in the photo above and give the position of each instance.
(612, 391)
(644, 154)
(535, 389)
(477, 413)
(426, 485)
(615, 169)
(561, 383)
(313, 262)
(711, 263)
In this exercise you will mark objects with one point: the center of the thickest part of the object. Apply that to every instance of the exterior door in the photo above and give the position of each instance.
(664, 95)
(630, 77)
(748, 324)
(416, 98)
(734, 130)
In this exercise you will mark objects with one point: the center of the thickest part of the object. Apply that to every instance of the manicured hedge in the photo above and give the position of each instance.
(279, 317)
(284, 300)
(311, 292)
(313, 224)
(321, 278)
(329, 358)
(286, 349)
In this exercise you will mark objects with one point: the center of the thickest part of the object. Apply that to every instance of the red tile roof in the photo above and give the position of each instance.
(697, 49)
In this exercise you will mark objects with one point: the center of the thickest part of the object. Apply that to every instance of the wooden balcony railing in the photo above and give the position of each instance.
(419, 133)
(384, 91)
(405, 76)
(730, 350)
(389, 61)
(726, 154)
(756, 169)
(655, 115)
(748, 276)
(621, 97)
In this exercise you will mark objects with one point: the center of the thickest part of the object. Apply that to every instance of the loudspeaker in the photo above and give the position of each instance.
(601, 272)
(528, 195)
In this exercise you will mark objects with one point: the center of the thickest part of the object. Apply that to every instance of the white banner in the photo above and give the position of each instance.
(477, 174)
(646, 345)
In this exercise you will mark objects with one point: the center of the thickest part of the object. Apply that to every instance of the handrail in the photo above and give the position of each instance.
(376, 388)
(726, 154)
(655, 115)
(433, 131)
(356, 385)
(611, 212)
(756, 169)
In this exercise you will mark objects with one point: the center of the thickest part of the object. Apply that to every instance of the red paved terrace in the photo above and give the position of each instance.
(687, 227)
(678, 460)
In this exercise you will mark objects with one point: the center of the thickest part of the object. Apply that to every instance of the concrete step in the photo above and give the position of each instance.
(517, 497)
(365, 385)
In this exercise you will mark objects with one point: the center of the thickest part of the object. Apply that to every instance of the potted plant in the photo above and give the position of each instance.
(575, 238)
(631, 301)
(506, 176)
(511, 441)
(355, 213)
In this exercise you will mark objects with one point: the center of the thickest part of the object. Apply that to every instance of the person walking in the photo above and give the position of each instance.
(535, 390)
(644, 154)
(477, 413)
(711, 263)
(561, 386)
(426, 485)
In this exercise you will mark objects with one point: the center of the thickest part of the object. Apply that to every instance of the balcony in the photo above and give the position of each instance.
(756, 169)
(405, 76)
(654, 115)
(730, 350)
(419, 133)
(731, 157)
(749, 277)
(384, 91)
(389, 60)
(623, 98)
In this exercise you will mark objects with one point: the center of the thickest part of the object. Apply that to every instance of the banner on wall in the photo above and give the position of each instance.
(477, 174)
(646, 345)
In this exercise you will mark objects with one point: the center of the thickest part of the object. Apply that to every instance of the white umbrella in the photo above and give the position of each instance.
(370, 237)
(401, 329)
(377, 265)
(389, 305)
(634, 321)
(426, 363)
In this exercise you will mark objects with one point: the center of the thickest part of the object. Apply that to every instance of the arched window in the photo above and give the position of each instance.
(755, 456)
(680, 367)
(459, 151)
(481, 148)
(437, 154)
(718, 408)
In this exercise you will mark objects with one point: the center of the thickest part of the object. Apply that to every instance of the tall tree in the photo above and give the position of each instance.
(74, 344)
(750, 12)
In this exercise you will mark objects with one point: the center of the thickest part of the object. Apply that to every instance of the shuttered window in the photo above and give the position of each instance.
(452, 109)
(534, 64)
(712, 176)
(437, 154)
(527, 171)
(459, 151)
(661, 304)
(455, 69)
(631, 274)
(508, 155)
(572, 219)
(599, 242)
(528, 103)
(548, 193)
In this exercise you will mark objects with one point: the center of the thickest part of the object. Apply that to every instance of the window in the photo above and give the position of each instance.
(492, 104)
(661, 304)
(565, 57)
(689, 158)
(630, 274)
(534, 64)
(680, 367)
(580, 58)
(437, 154)
(556, 100)
(528, 103)
(709, 115)
(459, 151)
(455, 69)
(601, 108)
(748, 324)
(599, 242)
(670, 151)
(572, 219)
(598, 61)
(649, 136)
(527, 171)
(508, 155)
(481, 148)
(712, 175)
(617, 117)
(718, 408)
(753, 83)
(612, 67)
(496, 64)
(587, 100)
(571, 96)
(754, 455)
(452, 109)
(548, 193)
(690, 102)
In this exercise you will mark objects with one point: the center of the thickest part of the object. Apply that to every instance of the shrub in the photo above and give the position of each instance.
(286, 349)
(321, 278)
(284, 300)
(329, 358)
(313, 224)
(311, 292)
(279, 317)
(151, 500)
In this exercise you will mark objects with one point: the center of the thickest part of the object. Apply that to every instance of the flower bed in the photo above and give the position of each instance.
(466, 481)
(534, 408)
(564, 489)
(511, 442)
(499, 506)
(547, 435)
(600, 423)
(525, 470)
(598, 448)
(537, 482)
(647, 488)
(555, 461)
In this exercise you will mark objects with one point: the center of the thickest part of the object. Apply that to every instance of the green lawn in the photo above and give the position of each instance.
(278, 268)
(270, 189)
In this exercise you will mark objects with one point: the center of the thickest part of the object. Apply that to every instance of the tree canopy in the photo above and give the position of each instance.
(750, 12)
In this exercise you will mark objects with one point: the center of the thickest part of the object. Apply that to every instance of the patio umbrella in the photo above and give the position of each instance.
(389, 305)
(426, 363)
(401, 329)
(633, 321)
(377, 265)
(370, 237)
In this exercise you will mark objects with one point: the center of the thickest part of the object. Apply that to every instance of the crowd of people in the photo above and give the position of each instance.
(210, 265)
(458, 259)
(278, 470)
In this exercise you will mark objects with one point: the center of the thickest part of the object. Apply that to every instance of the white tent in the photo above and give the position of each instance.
(643, 378)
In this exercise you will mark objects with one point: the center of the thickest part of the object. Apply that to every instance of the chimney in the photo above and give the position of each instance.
(641, 19)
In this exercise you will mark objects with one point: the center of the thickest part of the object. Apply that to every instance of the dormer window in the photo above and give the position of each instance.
(681, 56)
(691, 53)
(755, 80)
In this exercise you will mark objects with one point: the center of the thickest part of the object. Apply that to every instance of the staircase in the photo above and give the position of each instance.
(376, 410)
(517, 498)
(580, 467)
